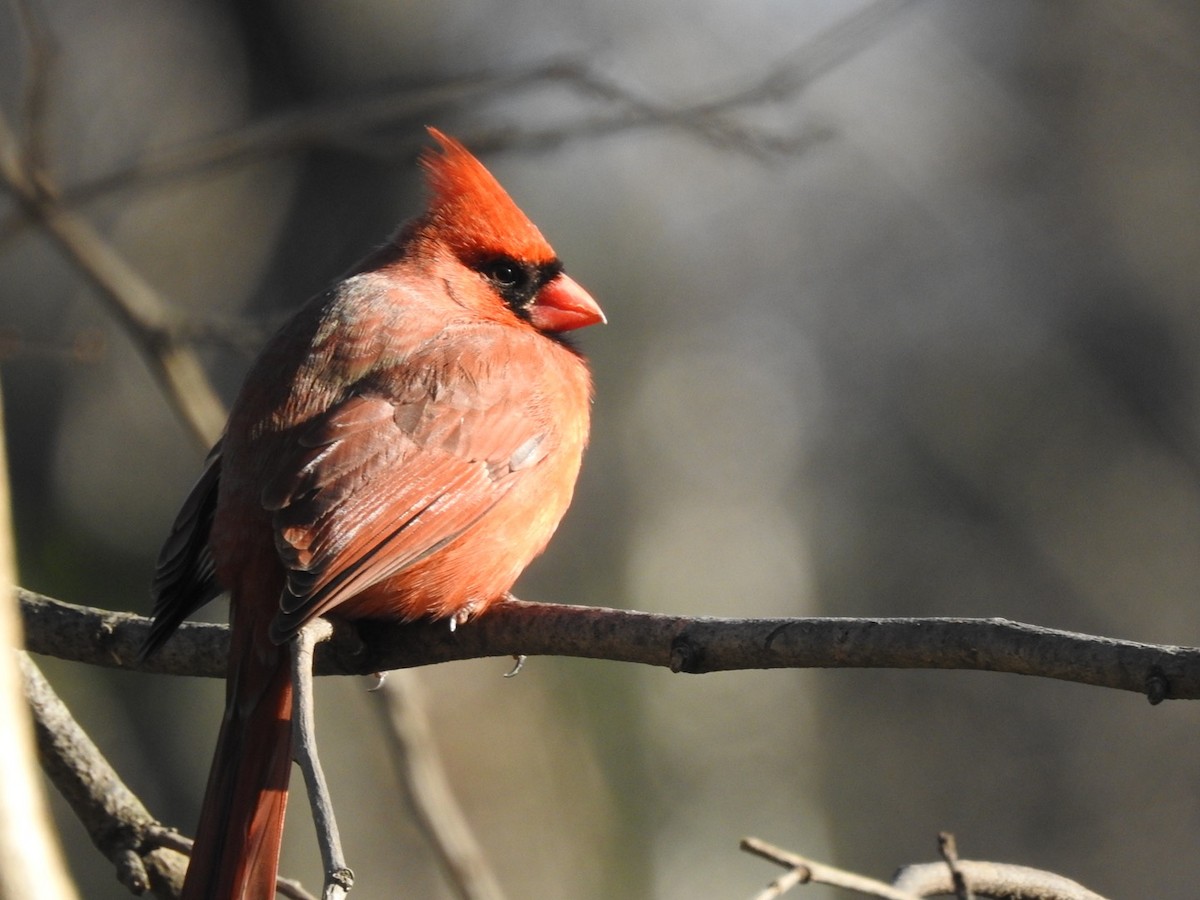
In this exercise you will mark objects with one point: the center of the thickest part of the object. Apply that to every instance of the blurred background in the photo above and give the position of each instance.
(904, 321)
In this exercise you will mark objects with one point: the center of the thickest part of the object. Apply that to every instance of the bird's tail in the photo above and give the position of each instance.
(236, 853)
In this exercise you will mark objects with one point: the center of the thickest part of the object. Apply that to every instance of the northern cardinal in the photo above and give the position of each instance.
(402, 448)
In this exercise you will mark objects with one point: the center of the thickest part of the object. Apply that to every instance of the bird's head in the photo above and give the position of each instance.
(473, 217)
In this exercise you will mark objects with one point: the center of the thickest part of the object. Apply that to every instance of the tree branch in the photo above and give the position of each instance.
(1000, 881)
(359, 124)
(146, 854)
(427, 788)
(115, 819)
(132, 300)
(804, 871)
(989, 879)
(681, 643)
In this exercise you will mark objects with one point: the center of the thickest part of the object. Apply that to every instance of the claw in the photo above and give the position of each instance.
(518, 664)
(462, 615)
(378, 679)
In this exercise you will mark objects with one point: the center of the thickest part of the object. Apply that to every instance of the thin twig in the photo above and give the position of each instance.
(335, 124)
(820, 873)
(361, 125)
(948, 848)
(706, 120)
(784, 883)
(338, 877)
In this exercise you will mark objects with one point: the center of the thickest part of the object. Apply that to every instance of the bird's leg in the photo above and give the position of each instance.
(338, 877)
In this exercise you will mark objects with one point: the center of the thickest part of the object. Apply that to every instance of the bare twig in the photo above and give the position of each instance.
(365, 125)
(680, 643)
(419, 767)
(338, 877)
(86, 347)
(344, 123)
(707, 120)
(819, 873)
(784, 883)
(948, 848)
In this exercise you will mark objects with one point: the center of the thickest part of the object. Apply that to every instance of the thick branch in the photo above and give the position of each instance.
(680, 643)
(989, 879)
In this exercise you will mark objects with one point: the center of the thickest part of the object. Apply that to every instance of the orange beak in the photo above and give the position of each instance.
(562, 305)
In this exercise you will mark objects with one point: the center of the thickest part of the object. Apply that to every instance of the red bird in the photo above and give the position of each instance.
(402, 448)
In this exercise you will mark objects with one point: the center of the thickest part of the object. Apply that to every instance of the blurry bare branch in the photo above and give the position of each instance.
(244, 335)
(383, 125)
(427, 788)
(362, 125)
(131, 299)
(357, 125)
(808, 871)
(709, 120)
(681, 643)
(987, 879)
(42, 52)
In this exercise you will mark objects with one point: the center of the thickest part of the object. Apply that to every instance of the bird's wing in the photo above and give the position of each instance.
(184, 579)
(384, 479)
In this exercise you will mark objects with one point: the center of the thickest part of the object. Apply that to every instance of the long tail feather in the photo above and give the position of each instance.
(236, 854)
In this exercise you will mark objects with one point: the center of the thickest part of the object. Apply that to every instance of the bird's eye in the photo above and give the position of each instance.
(517, 283)
(505, 273)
